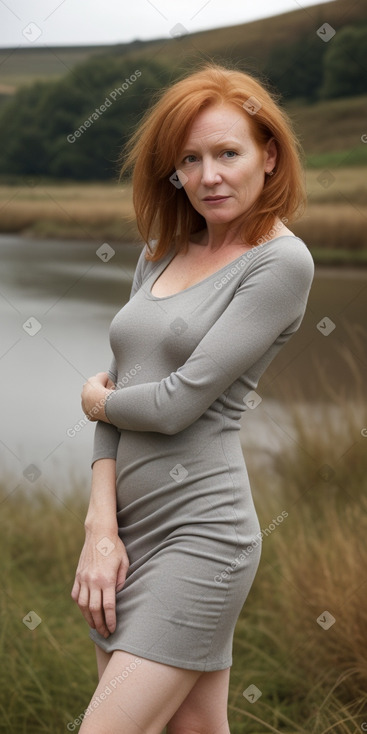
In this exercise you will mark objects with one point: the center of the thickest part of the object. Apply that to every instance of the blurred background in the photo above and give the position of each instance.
(74, 82)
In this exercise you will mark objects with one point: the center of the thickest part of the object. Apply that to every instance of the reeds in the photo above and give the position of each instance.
(313, 677)
(312, 674)
(335, 218)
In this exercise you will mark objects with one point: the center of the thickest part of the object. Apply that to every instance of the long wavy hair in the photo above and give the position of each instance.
(163, 212)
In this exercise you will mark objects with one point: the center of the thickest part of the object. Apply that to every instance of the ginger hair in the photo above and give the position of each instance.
(164, 212)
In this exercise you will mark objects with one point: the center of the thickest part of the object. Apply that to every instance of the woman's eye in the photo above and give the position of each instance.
(191, 158)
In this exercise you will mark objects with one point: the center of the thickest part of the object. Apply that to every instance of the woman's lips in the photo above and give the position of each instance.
(215, 199)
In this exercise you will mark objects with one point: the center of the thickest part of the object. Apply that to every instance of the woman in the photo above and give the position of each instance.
(172, 536)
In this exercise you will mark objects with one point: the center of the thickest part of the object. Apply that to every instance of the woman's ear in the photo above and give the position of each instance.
(270, 155)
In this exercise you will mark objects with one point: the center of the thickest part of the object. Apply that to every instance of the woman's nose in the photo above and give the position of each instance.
(210, 174)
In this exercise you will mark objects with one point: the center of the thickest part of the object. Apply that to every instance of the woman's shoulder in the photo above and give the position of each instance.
(295, 251)
(284, 257)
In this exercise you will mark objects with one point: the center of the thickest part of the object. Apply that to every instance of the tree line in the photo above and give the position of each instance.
(74, 128)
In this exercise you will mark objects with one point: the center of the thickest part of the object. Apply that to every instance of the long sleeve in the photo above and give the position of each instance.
(266, 309)
(106, 436)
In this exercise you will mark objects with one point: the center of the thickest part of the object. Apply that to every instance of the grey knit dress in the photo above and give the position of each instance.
(184, 366)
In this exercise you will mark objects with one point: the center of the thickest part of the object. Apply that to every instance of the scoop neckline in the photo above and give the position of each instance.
(225, 267)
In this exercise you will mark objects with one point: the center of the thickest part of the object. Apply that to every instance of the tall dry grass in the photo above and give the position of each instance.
(336, 226)
(71, 211)
(335, 218)
(312, 680)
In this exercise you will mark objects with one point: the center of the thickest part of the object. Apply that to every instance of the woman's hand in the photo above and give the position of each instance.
(94, 395)
(101, 571)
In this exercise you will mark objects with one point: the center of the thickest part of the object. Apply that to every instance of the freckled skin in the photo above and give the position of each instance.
(220, 157)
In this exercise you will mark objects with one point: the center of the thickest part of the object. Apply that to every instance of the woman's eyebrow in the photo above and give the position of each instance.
(220, 144)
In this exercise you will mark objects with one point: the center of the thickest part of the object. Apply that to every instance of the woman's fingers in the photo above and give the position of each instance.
(109, 608)
(96, 583)
(75, 590)
(84, 604)
(97, 612)
(121, 574)
(97, 606)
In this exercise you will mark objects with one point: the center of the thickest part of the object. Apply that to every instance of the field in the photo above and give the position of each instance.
(75, 210)
(334, 224)
(312, 674)
(333, 134)
(23, 66)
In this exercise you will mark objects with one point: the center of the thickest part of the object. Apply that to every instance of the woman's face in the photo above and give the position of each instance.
(221, 159)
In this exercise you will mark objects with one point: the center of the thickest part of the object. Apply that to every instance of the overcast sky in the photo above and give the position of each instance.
(84, 22)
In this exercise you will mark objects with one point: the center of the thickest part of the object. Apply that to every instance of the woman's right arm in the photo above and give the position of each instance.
(103, 562)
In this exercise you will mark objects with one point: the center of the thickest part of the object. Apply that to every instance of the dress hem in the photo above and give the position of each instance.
(210, 667)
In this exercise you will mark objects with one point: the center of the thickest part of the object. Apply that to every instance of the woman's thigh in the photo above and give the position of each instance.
(136, 695)
(103, 658)
(204, 709)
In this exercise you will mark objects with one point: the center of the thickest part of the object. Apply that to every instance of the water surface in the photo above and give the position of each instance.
(57, 299)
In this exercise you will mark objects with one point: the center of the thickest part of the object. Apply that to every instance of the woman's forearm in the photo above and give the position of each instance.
(103, 562)
(101, 514)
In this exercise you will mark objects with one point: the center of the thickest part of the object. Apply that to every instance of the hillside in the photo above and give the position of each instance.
(332, 126)
(322, 85)
(23, 66)
(251, 43)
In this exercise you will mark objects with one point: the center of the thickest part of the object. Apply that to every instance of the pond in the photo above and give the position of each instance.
(57, 299)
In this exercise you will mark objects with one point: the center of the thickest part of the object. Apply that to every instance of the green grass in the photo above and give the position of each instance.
(338, 257)
(313, 681)
(354, 157)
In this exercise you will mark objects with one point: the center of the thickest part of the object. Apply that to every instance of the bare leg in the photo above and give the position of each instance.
(136, 695)
(204, 710)
(103, 658)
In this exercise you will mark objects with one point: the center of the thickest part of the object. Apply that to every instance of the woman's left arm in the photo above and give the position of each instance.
(94, 394)
(266, 310)
(96, 389)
